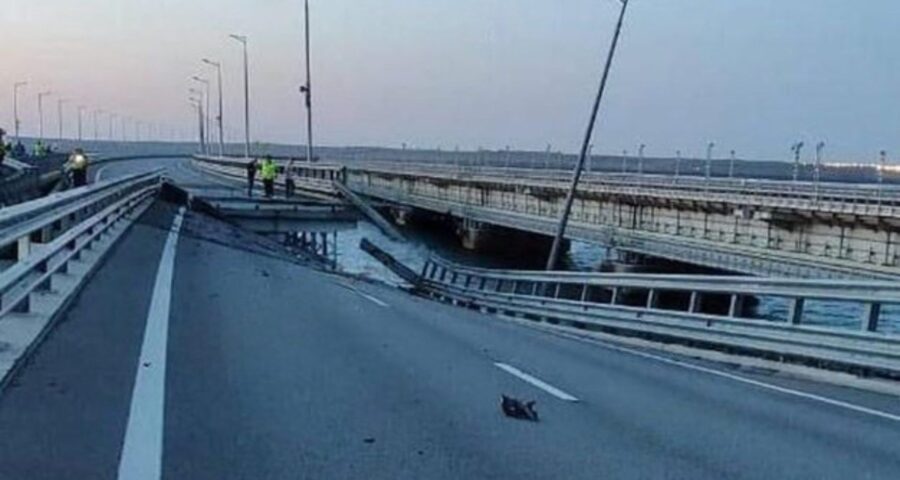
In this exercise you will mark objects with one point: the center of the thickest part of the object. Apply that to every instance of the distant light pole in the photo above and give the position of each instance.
(590, 158)
(796, 148)
(40, 98)
(124, 127)
(206, 87)
(218, 66)
(16, 122)
(570, 198)
(97, 124)
(243, 40)
(677, 163)
(641, 159)
(307, 90)
(731, 165)
(709, 151)
(204, 148)
(59, 112)
(882, 166)
(624, 162)
(198, 104)
(112, 120)
(81, 109)
(548, 156)
(817, 173)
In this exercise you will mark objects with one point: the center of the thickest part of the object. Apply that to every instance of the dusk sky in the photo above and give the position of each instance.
(751, 75)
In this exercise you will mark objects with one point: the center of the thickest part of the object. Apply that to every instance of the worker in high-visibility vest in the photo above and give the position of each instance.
(78, 165)
(268, 172)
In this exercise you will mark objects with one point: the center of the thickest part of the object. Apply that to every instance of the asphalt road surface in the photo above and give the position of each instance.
(200, 352)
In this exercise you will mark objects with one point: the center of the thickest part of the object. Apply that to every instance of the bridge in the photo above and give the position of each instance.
(144, 333)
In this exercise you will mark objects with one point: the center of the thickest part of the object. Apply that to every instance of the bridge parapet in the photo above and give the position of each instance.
(765, 228)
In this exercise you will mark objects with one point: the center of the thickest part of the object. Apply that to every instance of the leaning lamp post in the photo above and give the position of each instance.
(553, 258)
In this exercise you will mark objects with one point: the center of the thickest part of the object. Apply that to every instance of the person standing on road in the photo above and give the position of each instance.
(269, 172)
(78, 165)
(251, 176)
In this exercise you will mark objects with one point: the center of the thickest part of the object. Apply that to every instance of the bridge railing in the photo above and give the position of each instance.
(316, 177)
(701, 310)
(846, 197)
(40, 239)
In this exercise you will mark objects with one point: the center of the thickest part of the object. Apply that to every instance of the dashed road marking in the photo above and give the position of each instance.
(536, 382)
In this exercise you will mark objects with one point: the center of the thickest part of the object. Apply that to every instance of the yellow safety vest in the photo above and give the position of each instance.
(269, 171)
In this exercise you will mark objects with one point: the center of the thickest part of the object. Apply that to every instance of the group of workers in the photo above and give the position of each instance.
(268, 173)
(76, 166)
(19, 151)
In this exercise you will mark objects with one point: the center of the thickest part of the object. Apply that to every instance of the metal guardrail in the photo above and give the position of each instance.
(674, 308)
(40, 238)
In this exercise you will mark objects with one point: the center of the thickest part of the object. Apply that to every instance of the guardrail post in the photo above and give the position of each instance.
(652, 297)
(584, 292)
(443, 273)
(870, 316)
(795, 314)
(556, 290)
(23, 247)
(736, 306)
(614, 299)
(696, 302)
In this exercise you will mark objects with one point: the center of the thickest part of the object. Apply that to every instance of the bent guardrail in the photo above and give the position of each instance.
(676, 308)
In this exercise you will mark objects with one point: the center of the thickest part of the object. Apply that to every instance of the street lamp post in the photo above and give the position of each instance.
(59, 115)
(590, 158)
(40, 98)
(882, 165)
(81, 109)
(731, 164)
(198, 104)
(243, 40)
(112, 120)
(218, 67)
(709, 151)
(307, 90)
(16, 122)
(570, 198)
(204, 141)
(677, 163)
(97, 124)
(624, 162)
(817, 173)
(641, 159)
(206, 86)
(796, 148)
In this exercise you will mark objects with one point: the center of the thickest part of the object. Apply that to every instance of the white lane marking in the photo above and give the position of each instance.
(536, 382)
(143, 445)
(745, 380)
(372, 299)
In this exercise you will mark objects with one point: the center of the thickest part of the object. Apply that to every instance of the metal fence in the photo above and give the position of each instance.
(700, 310)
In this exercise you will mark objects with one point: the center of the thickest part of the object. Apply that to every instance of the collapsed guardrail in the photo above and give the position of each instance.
(48, 249)
(678, 309)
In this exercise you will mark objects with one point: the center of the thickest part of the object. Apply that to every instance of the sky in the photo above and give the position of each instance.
(754, 76)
